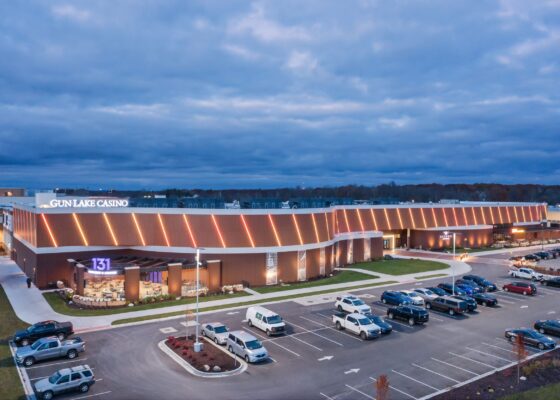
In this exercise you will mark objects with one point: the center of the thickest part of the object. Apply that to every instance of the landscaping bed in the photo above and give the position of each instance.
(210, 360)
(539, 372)
(401, 266)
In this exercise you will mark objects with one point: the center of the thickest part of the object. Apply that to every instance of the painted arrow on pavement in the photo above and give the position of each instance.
(325, 358)
(352, 371)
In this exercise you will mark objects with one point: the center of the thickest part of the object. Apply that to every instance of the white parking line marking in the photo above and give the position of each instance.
(436, 373)
(168, 330)
(394, 388)
(551, 312)
(524, 306)
(497, 347)
(273, 342)
(272, 359)
(528, 348)
(333, 329)
(436, 319)
(488, 354)
(91, 395)
(392, 321)
(455, 366)
(77, 359)
(191, 323)
(316, 334)
(325, 396)
(359, 391)
(415, 380)
(474, 361)
(304, 342)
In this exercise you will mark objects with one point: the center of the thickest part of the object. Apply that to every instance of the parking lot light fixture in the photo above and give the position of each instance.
(197, 344)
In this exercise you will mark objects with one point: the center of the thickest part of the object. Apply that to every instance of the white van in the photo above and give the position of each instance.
(266, 320)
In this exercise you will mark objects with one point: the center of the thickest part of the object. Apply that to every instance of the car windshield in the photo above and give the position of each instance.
(428, 292)
(364, 321)
(377, 320)
(220, 329)
(358, 302)
(54, 377)
(36, 344)
(275, 319)
(253, 345)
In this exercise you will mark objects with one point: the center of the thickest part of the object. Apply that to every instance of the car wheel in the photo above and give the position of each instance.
(541, 330)
(411, 321)
(391, 316)
(250, 323)
(541, 346)
(506, 289)
(451, 312)
(247, 359)
(203, 333)
(268, 333)
(84, 387)
(24, 342)
(48, 395)
(512, 339)
(338, 325)
(29, 361)
(230, 349)
(72, 354)
(428, 306)
(524, 293)
(60, 336)
(363, 335)
(339, 308)
(384, 301)
(485, 304)
(216, 340)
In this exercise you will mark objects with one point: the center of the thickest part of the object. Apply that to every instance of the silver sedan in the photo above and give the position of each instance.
(215, 331)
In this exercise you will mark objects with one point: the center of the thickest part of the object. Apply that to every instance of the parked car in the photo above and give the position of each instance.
(381, 323)
(351, 304)
(426, 294)
(477, 288)
(415, 298)
(215, 331)
(544, 255)
(521, 287)
(48, 348)
(448, 305)
(551, 281)
(481, 281)
(358, 324)
(438, 291)
(525, 273)
(395, 298)
(411, 314)
(532, 257)
(448, 287)
(531, 337)
(548, 326)
(471, 303)
(485, 299)
(79, 378)
(265, 320)
(469, 290)
(246, 346)
(43, 329)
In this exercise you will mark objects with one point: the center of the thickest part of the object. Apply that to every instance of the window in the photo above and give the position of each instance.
(53, 345)
(64, 379)
(346, 301)
(87, 374)
(352, 320)
(259, 316)
(271, 268)
(44, 346)
(240, 342)
(301, 266)
(76, 376)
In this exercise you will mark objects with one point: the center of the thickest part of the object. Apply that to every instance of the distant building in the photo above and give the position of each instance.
(12, 192)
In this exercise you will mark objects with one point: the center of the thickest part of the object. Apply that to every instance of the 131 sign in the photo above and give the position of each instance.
(101, 264)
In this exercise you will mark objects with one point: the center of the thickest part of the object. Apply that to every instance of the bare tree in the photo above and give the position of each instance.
(520, 353)
(382, 387)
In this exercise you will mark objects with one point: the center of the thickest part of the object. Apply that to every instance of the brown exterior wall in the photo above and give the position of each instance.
(465, 238)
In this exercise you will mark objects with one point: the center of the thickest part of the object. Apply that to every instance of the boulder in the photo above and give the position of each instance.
(206, 367)
(216, 368)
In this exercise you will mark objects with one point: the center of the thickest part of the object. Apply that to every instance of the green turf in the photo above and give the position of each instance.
(401, 266)
(430, 276)
(248, 303)
(548, 392)
(340, 277)
(59, 305)
(10, 384)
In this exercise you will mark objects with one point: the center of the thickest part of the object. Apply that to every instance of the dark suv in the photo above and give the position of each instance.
(448, 304)
(394, 298)
(480, 281)
(448, 287)
(411, 314)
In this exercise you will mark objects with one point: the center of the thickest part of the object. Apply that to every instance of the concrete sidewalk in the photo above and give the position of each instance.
(30, 305)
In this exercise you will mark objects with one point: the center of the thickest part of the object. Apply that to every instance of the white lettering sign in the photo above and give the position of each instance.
(83, 203)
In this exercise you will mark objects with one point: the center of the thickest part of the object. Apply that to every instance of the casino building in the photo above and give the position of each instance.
(253, 247)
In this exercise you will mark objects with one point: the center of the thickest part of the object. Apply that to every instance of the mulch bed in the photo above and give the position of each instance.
(540, 371)
(210, 356)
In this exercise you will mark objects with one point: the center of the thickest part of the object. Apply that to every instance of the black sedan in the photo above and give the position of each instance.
(471, 303)
(438, 291)
(553, 281)
(381, 323)
(486, 300)
(548, 326)
(531, 337)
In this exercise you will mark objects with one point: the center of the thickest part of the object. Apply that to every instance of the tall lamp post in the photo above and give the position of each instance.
(197, 344)
(454, 237)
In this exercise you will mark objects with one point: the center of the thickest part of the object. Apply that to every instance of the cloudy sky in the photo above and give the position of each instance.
(220, 94)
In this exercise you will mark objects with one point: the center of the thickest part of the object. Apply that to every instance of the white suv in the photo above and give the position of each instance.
(351, 304)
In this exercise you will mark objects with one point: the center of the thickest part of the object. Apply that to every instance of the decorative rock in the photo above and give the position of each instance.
(216, 368)
(206, 367)
(130, 304)
(523, 378)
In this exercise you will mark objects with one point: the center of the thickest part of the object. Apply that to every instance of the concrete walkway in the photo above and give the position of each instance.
(30, 305)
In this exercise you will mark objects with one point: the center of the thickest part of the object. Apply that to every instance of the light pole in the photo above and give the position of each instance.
(454, 237)
(197, 344)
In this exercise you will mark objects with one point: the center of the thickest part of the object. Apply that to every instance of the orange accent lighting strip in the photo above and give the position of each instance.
(189, 230)
(423, 217)
(531, 213)
(163, 229)
(444, 216)
(411, 218)
(218, 230)
(138, 230)
(328, 229)
(492, 215)
(346, 219)
(108, 223)
(247, 230)
(315, 228)
(387, 218)
(373, 218)
(483, 216)
(77, 222)
(500, 214)
(455, 216)
(53, 240)
(474, 216)
(434, 216)
(400, 219)
(297, 229)
(508, 216)
(360, 219)
(523, 214)
(515, 213)
(274, 230)
(465, 216)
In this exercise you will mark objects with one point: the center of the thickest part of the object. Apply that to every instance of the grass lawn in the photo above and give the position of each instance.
(401, 266)
(10, 387)
(548, 392)
(59, 305)
(429, 276)
(247, 303)
(340, 277)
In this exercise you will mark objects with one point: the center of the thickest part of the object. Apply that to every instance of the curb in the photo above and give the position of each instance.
(24, 378)
(190, 369)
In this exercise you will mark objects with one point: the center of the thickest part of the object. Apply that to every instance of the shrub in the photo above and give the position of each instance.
(185, 352)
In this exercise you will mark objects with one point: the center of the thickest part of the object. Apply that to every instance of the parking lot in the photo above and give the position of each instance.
(314, 360)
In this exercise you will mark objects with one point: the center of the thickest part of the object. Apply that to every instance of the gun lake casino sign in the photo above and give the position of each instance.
(88, 203)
